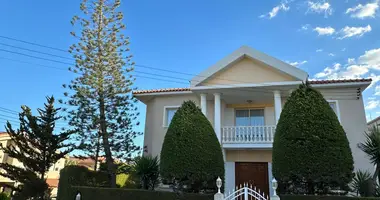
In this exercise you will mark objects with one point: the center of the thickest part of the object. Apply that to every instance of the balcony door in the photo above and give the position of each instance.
(249, 117)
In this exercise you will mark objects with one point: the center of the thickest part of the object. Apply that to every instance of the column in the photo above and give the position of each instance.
(204, 104)
(277, 105)
(217, 117)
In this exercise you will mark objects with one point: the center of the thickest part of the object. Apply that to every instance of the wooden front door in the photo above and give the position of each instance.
(255, 173)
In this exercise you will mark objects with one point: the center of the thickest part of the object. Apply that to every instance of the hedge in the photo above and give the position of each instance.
(91, 193)
(309, 197)
(191, 154)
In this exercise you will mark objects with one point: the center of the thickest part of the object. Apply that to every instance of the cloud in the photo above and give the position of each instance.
(319, 50)
(351, 61)
(328, 71)
(364, 11)
(297, 64)
(377, 90)
(372, 104)
(324, 30)
(305, 27)
(318, 7)
(371, 58)
(283, 6)
(348, 32)
(331, 54)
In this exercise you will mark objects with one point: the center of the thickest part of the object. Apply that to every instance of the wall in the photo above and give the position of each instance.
(247, 71)
(154, 129)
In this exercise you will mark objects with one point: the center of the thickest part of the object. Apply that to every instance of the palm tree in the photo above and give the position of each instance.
(371, 147)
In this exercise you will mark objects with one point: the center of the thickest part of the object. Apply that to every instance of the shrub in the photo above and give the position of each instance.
(90, 193)
(360, 183)
(311, 153)
(146, 169)
(79, 176)
(191, 154)
(4, 196)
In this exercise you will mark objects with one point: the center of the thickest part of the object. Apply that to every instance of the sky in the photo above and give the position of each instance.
(328, 39)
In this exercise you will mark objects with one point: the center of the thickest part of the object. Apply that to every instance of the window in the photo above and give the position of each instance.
(334, 105)
(169, 112)
(249, 117)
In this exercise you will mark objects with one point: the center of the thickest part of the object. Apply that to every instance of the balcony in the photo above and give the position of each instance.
(248, 136)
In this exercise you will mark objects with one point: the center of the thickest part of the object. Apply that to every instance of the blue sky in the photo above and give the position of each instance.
(328, 39)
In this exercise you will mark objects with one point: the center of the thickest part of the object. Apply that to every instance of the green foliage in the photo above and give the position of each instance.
(306, 197)
(79, 176)
(311, 153)
(360, 183)
(89, 193)
(100, 102)
(371, 147)
(121, 179)
(37, 147)
(146, 170)
(191, 154)
(4, 196)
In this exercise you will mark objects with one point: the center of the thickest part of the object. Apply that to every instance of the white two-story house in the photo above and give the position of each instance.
(244, 93)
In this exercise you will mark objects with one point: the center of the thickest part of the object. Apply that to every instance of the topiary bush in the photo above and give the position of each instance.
(191, 155)
(311, 153)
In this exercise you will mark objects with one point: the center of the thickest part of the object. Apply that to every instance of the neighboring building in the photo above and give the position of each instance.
(244, 93)
(374, 122)
(52, 176)
(86, 162)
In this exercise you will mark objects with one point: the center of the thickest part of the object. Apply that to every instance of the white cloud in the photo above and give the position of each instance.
(351, 61)
(325, 30)
(371, 58)
(348, 32)
(377, 90)
(372, 104)
(297, 64)
(354, 71)
(305, 27)
(283, 6)
(319, 7)
(331, 54)
(328, 71)
(375, 78)
(364, 11)
(319, 50)
(371, 98)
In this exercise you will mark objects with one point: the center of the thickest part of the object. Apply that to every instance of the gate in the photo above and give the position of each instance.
(245, 192)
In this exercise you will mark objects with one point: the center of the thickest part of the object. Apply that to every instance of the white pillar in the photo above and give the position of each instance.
(217, 117)
(204, 104)
(277, 105)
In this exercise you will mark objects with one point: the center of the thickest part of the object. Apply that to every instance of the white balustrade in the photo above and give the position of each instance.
(248, 134)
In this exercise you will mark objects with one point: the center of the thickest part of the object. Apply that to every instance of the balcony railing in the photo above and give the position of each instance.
(248, 134)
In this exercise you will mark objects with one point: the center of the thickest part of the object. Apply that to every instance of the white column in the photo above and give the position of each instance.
(277, 105)
(204, 104)
(217, 116)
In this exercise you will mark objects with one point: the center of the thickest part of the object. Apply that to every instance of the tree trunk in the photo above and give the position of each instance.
(97, 152)
(106, 144)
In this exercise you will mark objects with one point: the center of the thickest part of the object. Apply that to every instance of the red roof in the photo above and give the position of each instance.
(52, 182)
(311, 82)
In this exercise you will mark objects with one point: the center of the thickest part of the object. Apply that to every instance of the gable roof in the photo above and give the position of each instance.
(251, 53)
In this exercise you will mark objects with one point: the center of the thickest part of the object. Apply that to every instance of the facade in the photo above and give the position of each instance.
(244, 94)
(52, 177)
(374, 122)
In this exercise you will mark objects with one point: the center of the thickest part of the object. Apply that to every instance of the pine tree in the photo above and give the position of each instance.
(101, 102)
(37, 147)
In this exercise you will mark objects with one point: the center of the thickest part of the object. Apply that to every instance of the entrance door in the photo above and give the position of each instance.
(255, 173)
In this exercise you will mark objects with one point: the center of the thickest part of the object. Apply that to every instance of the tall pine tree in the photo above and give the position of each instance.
(101, 102)
(37, 147)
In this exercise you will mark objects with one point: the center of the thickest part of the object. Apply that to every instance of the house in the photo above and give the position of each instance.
(52, 176)
(244, 93)
(374, 122)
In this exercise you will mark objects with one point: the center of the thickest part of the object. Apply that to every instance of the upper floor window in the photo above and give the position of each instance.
(249, 117)
(334, 105)
(169, 112)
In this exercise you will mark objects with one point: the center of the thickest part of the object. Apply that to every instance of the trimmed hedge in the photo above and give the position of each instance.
(311, 152)
(79, 176)
(90, 193)
(191, 154)
(309, 197)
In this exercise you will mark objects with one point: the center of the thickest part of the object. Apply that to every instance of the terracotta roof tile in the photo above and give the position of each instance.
(52, 182)
(161, 90)
(311, 82)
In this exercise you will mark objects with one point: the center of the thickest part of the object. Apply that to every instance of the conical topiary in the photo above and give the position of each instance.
(311, 153)
(191, 154)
